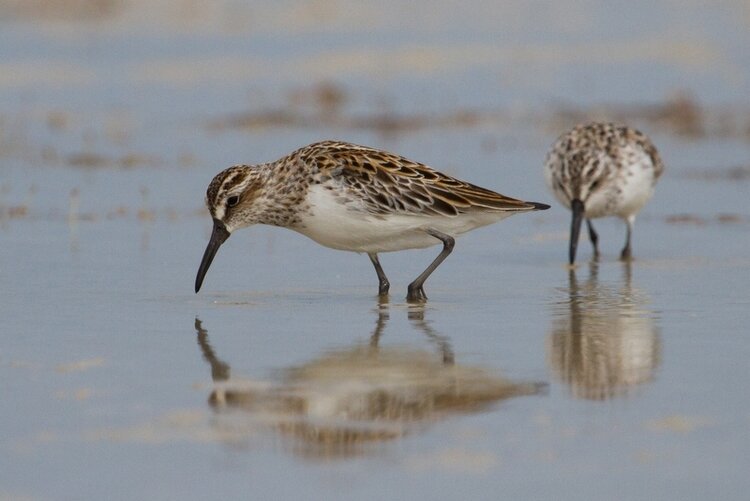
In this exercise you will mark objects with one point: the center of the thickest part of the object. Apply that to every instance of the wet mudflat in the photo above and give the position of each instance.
(286, 377)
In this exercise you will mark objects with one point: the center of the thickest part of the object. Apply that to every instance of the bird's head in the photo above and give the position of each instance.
(230, 199)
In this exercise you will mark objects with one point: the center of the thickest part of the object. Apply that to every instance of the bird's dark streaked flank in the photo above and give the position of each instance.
(602, 169)
(354, 198)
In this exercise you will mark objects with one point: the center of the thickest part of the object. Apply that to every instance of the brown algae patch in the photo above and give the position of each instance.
(703, 219)
(733, 174)
(184, 425)
(90, 160)
(678, 424)
(327, 104)
(80, 394)
(455, 460)
(80, 365)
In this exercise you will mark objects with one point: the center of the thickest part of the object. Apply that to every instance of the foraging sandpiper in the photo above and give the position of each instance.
(354, 198)
(602, 169)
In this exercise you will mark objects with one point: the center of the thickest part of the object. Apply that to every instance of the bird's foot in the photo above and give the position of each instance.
(415, 294)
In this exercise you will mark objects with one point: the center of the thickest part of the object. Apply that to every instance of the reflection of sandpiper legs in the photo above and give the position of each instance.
(416, 316)
(383, 317)
(627, 270)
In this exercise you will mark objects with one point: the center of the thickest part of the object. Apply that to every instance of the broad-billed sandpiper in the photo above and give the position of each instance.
(354, 198)
(602, 169)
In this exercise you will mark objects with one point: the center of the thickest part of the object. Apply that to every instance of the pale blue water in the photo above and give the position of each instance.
(104, 380)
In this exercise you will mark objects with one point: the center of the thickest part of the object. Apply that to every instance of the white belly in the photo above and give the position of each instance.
(628, 194)
(335, 225)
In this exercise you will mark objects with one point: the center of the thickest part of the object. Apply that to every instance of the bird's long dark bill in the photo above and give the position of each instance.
(218, 236)
(575, 228)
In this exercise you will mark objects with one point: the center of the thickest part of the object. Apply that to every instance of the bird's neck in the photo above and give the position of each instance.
(283, 193)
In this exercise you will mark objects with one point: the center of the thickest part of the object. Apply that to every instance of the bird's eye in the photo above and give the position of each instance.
(233, 200)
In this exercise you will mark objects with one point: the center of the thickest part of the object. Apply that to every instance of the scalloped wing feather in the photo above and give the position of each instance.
(388, 183)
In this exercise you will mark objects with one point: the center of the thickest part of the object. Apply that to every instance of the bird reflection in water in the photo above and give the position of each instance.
(604, 342)
(346, 400)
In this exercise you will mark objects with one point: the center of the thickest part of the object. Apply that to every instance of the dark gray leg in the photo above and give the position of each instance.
(593, 237)
(415, 291)
(626, 254)
(384, 285)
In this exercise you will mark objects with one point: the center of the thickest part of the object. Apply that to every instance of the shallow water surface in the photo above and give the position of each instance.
(286, 377)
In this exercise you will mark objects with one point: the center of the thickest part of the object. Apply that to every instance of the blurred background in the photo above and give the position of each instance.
(119, 382)
(102, 83)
